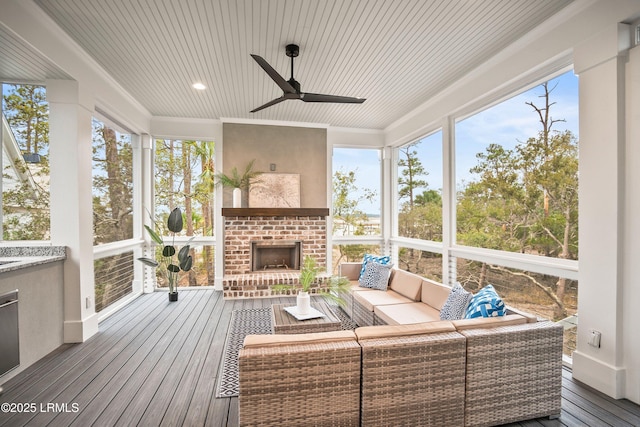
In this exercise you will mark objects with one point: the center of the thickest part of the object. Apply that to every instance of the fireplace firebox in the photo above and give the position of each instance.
(275, 255)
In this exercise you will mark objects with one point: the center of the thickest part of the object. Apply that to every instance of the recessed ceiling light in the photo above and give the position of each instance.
(199, 86)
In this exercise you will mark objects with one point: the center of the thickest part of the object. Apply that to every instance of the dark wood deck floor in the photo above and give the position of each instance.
(155, 364)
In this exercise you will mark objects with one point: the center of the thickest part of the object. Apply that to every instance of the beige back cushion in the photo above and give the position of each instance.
(407, 284)
(435, 294)
(254, 341)
(350, 270)
(386, 331)
(489, 322)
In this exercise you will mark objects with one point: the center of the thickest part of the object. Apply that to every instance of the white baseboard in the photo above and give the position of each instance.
(80, 330)
(606, 378)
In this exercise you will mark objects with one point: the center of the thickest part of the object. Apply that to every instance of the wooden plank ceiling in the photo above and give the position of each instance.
(395, 53)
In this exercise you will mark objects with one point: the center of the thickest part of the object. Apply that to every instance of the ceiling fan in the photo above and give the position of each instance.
(291, 87)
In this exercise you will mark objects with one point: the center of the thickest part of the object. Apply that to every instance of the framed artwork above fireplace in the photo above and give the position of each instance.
(275, 190)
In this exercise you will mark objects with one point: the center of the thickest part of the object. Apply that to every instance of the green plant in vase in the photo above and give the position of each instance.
(169, 253)
(334, 289)
(239, 182)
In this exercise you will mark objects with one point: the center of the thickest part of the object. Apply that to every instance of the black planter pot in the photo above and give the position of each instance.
(173, 296)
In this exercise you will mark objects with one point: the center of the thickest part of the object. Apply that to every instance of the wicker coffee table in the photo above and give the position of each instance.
(284, 323)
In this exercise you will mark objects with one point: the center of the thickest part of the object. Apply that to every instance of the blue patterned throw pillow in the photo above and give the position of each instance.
(385, 260)
(455, 306)
(376, 276)
(486, 303)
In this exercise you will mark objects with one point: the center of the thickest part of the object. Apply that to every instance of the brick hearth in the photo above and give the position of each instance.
(239, 231)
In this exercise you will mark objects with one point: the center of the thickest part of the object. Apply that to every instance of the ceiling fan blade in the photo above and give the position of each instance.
(269, 104)
(319, 97)
(280, 81)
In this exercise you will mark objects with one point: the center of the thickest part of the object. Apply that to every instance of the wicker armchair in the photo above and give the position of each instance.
(415, 380)
(311, 382)
(514, 373)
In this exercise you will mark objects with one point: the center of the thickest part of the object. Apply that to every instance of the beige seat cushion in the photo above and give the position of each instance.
(368, 332)
(355, 287)
(489, 322)
(406, 284)
(375, 297)
(435, 294)
(255, 341)
(405, 314)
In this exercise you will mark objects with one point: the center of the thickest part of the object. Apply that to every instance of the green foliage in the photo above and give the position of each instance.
(236, 180)
(410, 170)
(505, 209)
(347, 217)
(420, 215)
(25, 198)
(184, 260)
(112, 157)
(27, 113)
(335, 288)
(346, 213)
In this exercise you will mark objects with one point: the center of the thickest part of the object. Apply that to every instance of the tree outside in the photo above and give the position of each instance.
(112, 190)
(185, 178)
(25, 164)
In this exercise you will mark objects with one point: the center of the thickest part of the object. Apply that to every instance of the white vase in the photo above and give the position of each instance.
(237, 198)
(303, 303)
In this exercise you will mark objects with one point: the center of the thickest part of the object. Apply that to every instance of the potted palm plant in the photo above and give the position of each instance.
(335, 288)
(169, 255)
(239, 182)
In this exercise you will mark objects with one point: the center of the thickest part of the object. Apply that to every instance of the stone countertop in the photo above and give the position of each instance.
(18, 257)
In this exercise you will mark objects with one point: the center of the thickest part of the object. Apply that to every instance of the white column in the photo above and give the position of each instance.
(388, 207)
(599, 62)
(71, 205)
(448, 200)
(218, 218)
(631, 272)
(147, 193)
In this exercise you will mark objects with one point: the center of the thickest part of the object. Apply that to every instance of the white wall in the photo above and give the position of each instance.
(599, 62)
(631, 232)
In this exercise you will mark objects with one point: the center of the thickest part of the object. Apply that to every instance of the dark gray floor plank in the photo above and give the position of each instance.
(600, 412)
(118, 367)
(134, 393)
(185, 357)
(159, 387)
(198, 412)
(621, 408)
(587, 418)
(185, 391)
(124, 375)
(569, 420)
(44, 374)
(73, 368)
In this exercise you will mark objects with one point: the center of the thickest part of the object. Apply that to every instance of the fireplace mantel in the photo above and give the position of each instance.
(249, 212)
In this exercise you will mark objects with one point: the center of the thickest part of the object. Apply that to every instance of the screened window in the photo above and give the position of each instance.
(420, 189)
(184, 178)
(517, 173)
(25, 163)
(356, 192)
(423, 263)
(112, 184)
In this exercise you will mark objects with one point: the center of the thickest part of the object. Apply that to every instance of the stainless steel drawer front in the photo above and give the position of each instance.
(9, 338)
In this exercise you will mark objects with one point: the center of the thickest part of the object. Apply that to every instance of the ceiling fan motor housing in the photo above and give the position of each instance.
(292, 50)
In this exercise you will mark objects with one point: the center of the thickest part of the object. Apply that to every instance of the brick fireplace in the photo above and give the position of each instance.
(265, 246)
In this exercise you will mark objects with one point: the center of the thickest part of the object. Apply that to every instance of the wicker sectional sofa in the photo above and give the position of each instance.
(401, 369)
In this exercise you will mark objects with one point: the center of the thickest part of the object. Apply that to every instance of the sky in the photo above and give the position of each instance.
(506, 123)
